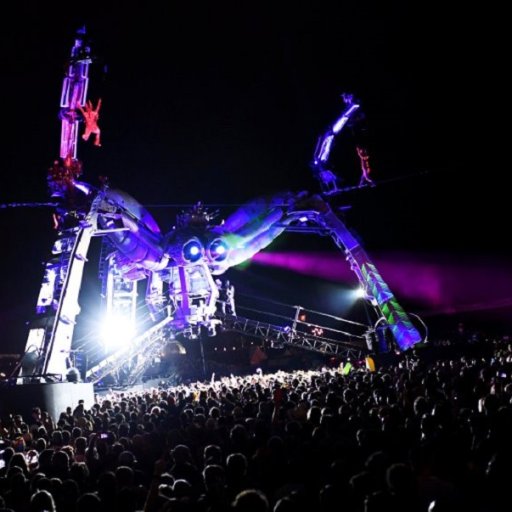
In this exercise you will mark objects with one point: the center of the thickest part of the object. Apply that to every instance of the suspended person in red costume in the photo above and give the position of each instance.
(362, 153)
(91, 116)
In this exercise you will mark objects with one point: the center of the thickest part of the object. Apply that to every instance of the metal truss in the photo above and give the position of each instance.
(135, 351)
(51, 330)
(289, 336)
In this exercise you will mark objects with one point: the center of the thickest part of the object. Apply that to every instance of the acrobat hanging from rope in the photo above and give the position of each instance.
(91, 116)
(364, 158)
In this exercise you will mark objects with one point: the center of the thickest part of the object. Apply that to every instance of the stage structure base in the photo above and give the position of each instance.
(51, 397)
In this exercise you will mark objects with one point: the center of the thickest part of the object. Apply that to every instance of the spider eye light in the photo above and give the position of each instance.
(218, 250)
(192, 251)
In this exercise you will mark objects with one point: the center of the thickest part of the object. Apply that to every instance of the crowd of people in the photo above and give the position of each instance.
(412, 437)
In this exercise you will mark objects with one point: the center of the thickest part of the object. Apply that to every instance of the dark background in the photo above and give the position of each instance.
(224, 102)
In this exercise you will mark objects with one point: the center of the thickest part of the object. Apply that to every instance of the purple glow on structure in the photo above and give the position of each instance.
(324, 266)
(439, 283)
(192, 251)
(342, 121)
(326, 148)
(83, 187)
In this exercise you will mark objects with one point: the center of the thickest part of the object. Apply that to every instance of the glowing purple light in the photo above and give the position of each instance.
(342, 121)
(437, 282)
(192, 251)
(326, 148)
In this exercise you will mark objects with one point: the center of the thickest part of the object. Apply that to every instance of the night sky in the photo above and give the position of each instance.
(224, 103)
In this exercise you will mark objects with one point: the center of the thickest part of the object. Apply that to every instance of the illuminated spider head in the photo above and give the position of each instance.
(198, 216)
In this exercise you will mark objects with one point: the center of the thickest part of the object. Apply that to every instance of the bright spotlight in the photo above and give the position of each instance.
(192, 251)
(218, 250)
(360, 293)
(116, 331)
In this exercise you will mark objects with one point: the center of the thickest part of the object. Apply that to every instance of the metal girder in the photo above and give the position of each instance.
(49, 340)
(278, 335)
(137, 347)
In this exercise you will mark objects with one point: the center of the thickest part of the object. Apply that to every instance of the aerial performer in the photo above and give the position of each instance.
(91, 116)
(364, 158)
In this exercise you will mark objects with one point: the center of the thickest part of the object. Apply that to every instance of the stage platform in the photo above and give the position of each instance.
(51, 397)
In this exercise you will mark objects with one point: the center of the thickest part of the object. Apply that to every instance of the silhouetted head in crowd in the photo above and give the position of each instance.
(250, 500)
(42, 501)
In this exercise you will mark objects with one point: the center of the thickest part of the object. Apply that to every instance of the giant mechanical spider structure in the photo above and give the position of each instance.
(180, 267)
